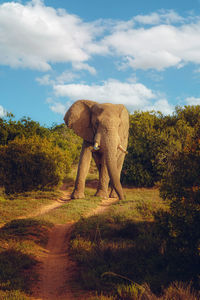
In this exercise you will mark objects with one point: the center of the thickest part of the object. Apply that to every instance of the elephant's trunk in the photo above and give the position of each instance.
(114, 174)
(110, 145)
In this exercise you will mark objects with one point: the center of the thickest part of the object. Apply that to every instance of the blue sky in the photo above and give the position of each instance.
(144, 54)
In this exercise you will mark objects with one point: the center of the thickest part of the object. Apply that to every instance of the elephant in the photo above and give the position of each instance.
(104, 129)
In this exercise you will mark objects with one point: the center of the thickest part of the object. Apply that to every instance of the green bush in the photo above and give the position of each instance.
(145, 141)
(32, 163)
(66, 139)
(153, 139)
(179, 228)
(10, 129)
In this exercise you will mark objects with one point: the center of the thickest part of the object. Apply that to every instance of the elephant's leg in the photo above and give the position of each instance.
(83, 168)
(102, 189)
(113, 193)
(120, 162)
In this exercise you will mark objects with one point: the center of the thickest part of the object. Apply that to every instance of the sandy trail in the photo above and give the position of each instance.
(56, 271)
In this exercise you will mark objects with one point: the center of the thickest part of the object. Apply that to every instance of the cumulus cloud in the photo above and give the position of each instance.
(110, 91)
(159, 17)
(84, 66)
(34, 36)
(63, 78)
(135, 96)
(192, 101)
(58, 108)
(156, 47)
(2, 111)
(161, 105)
(45, 80)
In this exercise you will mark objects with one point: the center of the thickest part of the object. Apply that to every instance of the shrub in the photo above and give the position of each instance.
(10, 129)
(145, 140)
(32, 163)
(179, 228)
(153, 138)
(66, 139)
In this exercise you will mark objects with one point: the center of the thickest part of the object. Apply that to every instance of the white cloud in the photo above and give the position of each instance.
(156, 47)
(58, 108)
(162, 17)
(161, 105)
(2, 112)
(34, 36)
(153, 18)
(113, 91)
(63, 78)
(133, 95)
(84, 66)
(45, 80)
(192, 101)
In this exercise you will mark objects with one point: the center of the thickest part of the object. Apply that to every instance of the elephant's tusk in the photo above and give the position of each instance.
(96, 146)
(122, 149)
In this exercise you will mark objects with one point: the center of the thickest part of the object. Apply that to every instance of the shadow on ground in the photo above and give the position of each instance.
(18, 241)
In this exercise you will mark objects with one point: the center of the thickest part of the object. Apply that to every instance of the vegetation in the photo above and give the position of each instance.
(24, 238)
(32, 163)
(120, 255)
(20, 241)
(145, 247)
(33, 157)
(153, 138)
(179, 228)
(24, 204)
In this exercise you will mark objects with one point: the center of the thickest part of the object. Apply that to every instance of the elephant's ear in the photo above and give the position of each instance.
(124, 125)
(78, 117)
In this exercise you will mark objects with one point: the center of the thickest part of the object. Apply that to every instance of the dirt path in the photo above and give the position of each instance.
(57, 271)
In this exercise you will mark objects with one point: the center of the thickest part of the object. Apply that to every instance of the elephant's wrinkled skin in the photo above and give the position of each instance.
(104, 128)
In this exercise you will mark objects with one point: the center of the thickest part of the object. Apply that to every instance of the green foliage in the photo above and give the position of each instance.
(179, 228)
(59, 135)
(10, 129)
(153, 139)
(32, 163)
(66, 139)
(145, 141)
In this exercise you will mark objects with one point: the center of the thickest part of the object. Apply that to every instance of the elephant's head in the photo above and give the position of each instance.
(105, 126)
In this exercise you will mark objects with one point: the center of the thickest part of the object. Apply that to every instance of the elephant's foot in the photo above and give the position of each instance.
(77, 195)
(102, 194)
(113, 194)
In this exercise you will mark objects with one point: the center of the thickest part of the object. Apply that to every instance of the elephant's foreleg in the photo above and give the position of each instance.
(83, 168)
(102, 189)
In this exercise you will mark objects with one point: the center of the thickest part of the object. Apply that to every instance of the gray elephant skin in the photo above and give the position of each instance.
(104, 129)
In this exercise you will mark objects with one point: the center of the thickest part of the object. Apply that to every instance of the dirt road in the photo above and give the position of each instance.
(56, 271)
